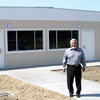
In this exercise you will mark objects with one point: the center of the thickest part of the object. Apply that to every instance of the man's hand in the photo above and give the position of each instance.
(63, 69)
(83, 69)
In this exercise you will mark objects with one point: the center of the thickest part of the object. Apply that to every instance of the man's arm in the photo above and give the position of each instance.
(83, 62)
(64, 61)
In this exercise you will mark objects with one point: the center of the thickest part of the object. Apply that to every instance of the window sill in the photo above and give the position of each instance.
(27, 51)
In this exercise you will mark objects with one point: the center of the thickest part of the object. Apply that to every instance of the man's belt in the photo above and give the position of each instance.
(74, 65)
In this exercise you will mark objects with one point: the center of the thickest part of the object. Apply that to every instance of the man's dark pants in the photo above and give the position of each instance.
(74, 71)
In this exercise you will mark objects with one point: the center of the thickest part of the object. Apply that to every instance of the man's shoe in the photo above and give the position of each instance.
(78, 95)
(71, 95)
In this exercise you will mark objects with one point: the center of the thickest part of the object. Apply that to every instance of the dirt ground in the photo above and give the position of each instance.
(14, 89)
(91, 73)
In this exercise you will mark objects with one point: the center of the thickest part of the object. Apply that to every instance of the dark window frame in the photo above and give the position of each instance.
(39, 40)
(57, 40)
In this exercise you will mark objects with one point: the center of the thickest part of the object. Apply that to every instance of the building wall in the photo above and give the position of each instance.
(33, 59)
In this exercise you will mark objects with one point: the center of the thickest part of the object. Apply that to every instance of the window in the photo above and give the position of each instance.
(39, 40)
(11, 40)
(75, 35)
(59, 39)
(63, 39)
(25, 40)
(52, 39)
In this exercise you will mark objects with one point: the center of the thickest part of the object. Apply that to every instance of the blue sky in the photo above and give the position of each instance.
(68, 4)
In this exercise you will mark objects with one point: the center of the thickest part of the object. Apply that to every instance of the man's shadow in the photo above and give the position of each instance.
(90, 95)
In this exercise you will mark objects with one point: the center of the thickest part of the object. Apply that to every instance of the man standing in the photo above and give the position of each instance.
(73, 58)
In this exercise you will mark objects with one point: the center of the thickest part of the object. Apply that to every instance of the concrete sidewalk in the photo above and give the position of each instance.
(44, 77)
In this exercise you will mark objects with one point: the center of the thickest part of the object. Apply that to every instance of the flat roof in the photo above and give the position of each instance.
(47, 13)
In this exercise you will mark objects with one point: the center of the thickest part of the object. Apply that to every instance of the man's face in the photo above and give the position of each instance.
(73, 44)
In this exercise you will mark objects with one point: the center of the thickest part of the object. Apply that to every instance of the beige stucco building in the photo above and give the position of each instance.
(35, 36)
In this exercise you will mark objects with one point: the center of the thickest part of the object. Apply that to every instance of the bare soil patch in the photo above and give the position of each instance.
(91, 73)
(14, 89)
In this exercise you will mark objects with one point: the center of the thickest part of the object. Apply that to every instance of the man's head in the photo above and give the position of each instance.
(73, 43)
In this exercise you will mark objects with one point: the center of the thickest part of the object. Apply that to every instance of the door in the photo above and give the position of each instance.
(1, 50)
(88, 44)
